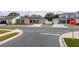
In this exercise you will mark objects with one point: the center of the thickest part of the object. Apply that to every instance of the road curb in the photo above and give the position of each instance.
(20, 32)
(61, 41)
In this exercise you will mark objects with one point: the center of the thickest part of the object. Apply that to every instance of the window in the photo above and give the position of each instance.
(30, 21)
(34, 21)
(22, 21)
(37, 21)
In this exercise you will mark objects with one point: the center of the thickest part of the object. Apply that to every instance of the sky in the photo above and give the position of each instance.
(22, 13)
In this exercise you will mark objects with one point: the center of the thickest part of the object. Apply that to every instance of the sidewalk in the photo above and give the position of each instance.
(67, 35)
(59, 25)
(36, 25)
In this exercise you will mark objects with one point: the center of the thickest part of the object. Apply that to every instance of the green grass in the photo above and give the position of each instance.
(8, 28)
(66, 25)
(20, 24)
(70, 25)
(3, 31)
(7, 36)
(71, 42)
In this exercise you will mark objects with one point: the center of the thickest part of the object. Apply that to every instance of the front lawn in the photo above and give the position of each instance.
(71, 42)
(20, 24)
(7, 36)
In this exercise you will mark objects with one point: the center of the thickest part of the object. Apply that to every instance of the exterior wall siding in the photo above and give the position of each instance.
(9, 21)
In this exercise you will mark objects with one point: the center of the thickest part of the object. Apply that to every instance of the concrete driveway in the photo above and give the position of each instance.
(37, 37)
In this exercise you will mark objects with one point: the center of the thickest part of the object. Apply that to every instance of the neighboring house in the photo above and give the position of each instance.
(64, 17)
(69, 15)
(2, 20)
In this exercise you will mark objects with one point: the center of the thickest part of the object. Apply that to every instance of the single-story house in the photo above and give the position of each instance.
(31, 20)
(34, 19)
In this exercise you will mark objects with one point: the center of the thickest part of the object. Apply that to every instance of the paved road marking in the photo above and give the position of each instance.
(48, 34)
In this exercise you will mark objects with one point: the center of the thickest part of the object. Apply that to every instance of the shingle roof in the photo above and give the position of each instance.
(9, 17)
(2, 19)
(67, 14)
(21, 18)
(31, 17)
(35, 17)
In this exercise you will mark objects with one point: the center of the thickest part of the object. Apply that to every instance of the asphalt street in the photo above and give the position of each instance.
(37, 37)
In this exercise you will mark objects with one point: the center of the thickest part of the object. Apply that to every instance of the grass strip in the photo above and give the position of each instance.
(7, 28)
(71, 42)
(7, 36)
(3, 31)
